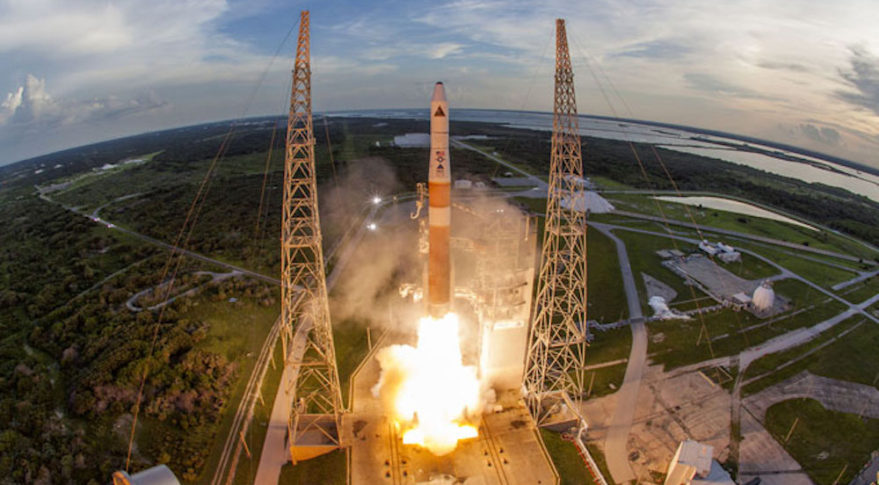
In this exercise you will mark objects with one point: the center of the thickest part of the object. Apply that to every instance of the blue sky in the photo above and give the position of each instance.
(79, 71)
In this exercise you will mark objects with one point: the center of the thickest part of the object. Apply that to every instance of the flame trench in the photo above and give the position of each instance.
(429, 391)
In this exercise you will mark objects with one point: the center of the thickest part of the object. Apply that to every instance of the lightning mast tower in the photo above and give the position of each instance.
(314, 422)
(554, 366)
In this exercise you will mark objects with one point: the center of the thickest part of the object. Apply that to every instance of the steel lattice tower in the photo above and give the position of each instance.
(556, 355)
(317, 400)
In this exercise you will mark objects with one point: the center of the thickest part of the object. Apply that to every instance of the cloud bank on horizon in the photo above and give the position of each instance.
(78, 71)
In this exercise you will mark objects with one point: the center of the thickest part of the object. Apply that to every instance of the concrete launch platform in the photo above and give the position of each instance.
(508, 449)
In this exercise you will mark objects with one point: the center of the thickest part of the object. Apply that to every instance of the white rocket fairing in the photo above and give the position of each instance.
(439, 284)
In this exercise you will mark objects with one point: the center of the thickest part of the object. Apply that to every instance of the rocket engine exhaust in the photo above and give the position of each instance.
(439, 284)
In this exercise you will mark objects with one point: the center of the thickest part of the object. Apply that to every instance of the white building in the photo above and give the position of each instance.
(693, 463)
(764, 297)
(691, 459)
(721, 251)
(708, 247)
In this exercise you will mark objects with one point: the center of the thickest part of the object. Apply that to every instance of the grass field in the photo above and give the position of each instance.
(812, 269)
(350, 339)
(830, 446)
(641, 249)
(684, 342)
(606, 347)
(850, 358)
(740, 223)
(329, 469)
(566, 459)
(862, 291)
(605, 293)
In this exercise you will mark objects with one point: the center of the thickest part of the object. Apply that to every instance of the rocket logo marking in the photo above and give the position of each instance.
(439, 111)
(440, 158)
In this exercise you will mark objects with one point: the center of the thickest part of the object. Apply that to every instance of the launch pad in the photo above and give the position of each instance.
(508, 449)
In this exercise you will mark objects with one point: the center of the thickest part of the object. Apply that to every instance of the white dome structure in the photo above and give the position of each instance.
(764, 297)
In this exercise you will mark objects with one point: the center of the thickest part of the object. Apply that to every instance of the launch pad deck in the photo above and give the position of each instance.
(508, 449)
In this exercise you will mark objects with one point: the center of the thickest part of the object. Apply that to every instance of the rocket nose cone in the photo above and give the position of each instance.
(439, 93)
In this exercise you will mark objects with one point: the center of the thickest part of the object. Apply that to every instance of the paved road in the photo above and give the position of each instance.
(858, 279)
(627, 397)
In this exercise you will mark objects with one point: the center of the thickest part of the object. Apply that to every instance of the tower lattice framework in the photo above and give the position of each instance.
(554, 372)
(317, 400)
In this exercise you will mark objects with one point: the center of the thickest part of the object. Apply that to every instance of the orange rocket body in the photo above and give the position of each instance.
(439, 282)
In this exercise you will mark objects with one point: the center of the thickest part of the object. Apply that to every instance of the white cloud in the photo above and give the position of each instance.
(32, 105)
(445, 49)
(739, 65)
(95, 44)
(13, 101)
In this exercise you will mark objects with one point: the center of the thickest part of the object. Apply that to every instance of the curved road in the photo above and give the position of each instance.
(627, 397)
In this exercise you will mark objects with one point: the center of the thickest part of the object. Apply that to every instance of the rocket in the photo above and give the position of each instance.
(439, 284)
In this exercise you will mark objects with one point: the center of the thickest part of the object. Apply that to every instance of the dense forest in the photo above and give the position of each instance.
(72, 356)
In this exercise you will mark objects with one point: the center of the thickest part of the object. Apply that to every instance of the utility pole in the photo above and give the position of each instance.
(554, 370)
(315, 418)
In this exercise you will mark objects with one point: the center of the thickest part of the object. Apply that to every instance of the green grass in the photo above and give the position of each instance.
(740, 223)
(604, 378)
(329, 469)
(610, 345)
(606, 347)
(846, 439)
(566, 459)
(862, 291)
(641, 249)
(599, 459)
(536, 205)
(609, 184)
(795, 290)
(523, 166)
(850, 358)
(605, 293)
(349, 337)
(729, 332)
(820, 274)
